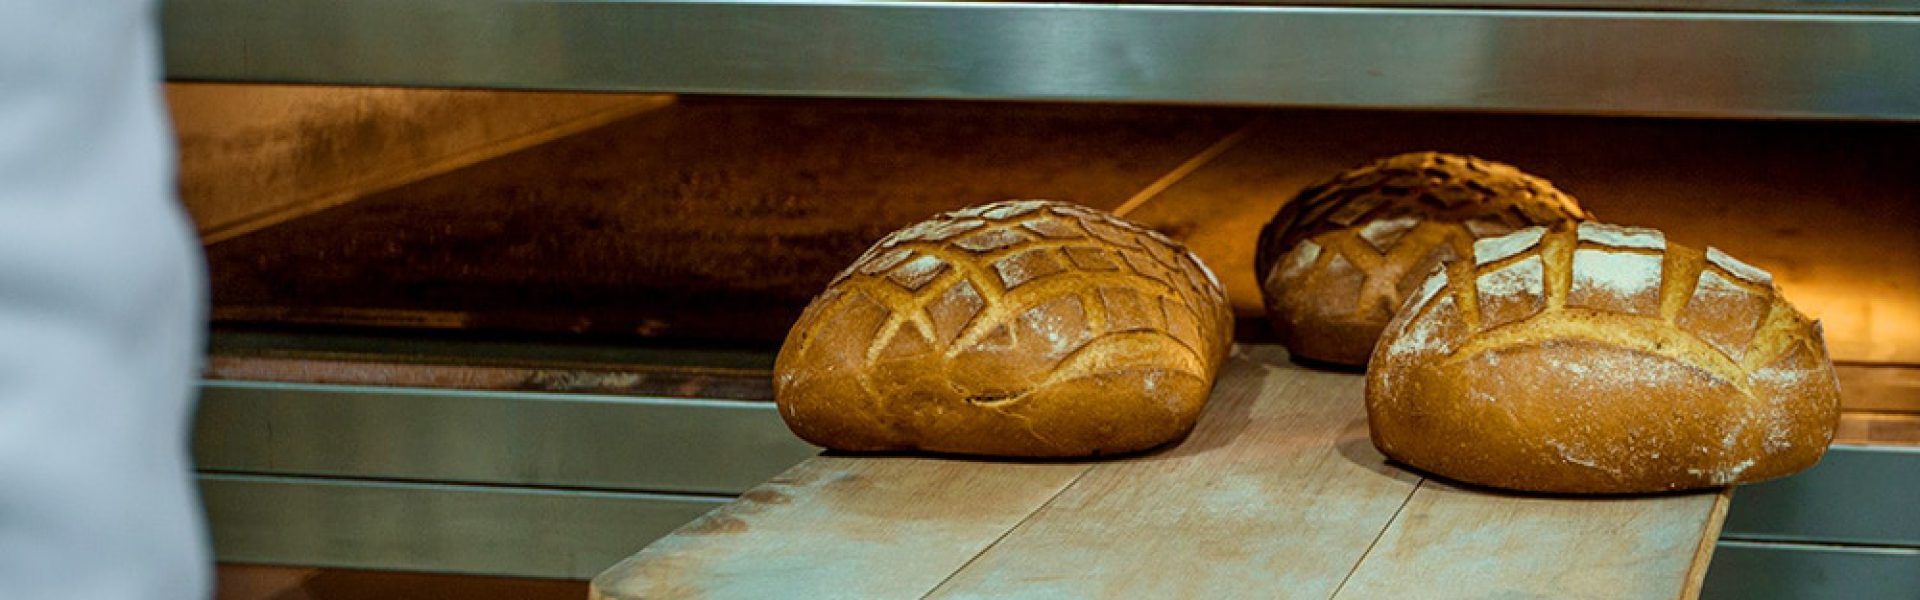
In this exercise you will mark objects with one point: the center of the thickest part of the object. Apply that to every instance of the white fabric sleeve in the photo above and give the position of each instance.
(101, 313)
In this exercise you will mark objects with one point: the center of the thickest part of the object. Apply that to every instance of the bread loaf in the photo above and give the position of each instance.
(1601, 360)
(1336, 261)
(1025, 328)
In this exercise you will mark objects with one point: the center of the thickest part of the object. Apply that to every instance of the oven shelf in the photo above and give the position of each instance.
(1721, 58)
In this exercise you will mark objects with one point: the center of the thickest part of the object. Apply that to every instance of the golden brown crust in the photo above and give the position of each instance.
(1337, 259)
(1601, 360)
(1021, 328)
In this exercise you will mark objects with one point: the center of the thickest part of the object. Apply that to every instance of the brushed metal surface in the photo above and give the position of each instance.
(1762, 571)
(1856, 495)
(1643, 62)
(517, 438)
(435, 527)
(404, 346)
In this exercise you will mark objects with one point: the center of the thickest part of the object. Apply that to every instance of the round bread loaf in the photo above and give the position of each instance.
(1601, 360)
(1021, 328)
(1337, 260)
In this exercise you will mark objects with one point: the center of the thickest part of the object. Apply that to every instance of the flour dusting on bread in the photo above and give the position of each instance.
(1500, 248)
(1622, 237)
(1728, 384)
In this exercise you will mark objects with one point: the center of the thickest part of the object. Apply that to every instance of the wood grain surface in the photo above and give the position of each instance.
(1276, 489)
(1457, 542)
(842, 527)
(1277, 493)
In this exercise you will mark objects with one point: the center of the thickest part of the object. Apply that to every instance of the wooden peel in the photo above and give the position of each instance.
(1277, 493)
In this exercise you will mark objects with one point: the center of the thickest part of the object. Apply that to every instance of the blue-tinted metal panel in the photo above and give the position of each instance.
(515, 438)
(1856, 495)
(1766, 571)
(436, 527)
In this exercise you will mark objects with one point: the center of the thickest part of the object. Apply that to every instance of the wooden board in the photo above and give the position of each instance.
(1454, 542)
(1278, 493)
(1277, 488)
(843, 527)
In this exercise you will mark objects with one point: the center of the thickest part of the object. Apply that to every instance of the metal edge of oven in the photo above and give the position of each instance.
(1847, 528)
(587, 441)
(530, 484)
(436, 527)
(1671, 59)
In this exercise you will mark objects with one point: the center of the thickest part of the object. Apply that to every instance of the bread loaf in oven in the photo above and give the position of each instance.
(1603, 359)
(1336, 261)
(1021, 328)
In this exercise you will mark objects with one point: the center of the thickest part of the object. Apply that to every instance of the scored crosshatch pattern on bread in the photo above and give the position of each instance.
(1338, 259)
(1633, 280)
(1612, 306)
(960, 281)
(1484, 197)
(1002, 302)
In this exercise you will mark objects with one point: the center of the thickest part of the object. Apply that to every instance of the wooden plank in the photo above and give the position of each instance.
(1709, 539)
(1278, 492)
(842, 527)
(1277, 488)
(1457, 542)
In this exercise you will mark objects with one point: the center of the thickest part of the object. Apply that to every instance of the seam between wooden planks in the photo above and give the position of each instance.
(1186, 168)
(1376, 539)
(1703, 553)
(1003, 535)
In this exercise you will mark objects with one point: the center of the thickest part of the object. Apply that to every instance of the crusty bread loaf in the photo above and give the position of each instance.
(1024, 328)
(1336, 261)
(1601, 360)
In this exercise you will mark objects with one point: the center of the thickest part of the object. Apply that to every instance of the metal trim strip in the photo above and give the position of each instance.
(1857, 495)
(1627, 62)
(1748, 571)
(435, 527)
(493, 437)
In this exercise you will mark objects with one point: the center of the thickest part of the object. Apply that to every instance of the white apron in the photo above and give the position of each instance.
(101, 313)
